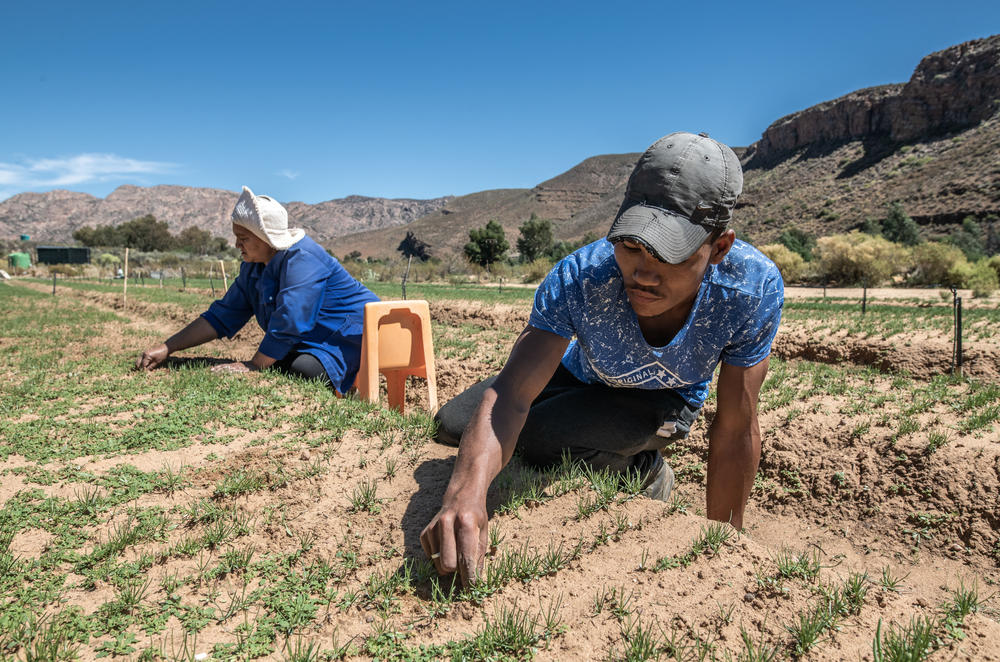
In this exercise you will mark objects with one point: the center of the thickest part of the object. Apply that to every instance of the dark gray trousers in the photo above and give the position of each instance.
(300, 364)
(621, 429)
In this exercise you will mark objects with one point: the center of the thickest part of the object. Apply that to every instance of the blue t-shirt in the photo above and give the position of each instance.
(304, 300)
(734, 318)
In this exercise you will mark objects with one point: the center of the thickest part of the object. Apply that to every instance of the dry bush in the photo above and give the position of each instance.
(536, 270)
(994, 263)
(789, 263)
(977, 276)
(856, 258)
(934, 262)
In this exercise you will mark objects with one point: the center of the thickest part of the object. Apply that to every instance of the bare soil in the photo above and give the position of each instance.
(852, 500)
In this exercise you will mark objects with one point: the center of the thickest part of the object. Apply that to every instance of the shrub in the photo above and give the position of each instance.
(856, 258)
(976, 276)
(789, 263)
(536, 270)
(798, 241)
(899, 227)
(933, 262)
(970, 239)
(994, 263)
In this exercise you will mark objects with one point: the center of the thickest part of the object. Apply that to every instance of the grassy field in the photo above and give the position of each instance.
(182, 515)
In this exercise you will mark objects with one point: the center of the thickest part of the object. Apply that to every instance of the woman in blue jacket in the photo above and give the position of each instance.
(310, 308)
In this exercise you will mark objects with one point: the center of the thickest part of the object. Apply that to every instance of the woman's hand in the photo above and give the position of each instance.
(152, 357)
(238, 366)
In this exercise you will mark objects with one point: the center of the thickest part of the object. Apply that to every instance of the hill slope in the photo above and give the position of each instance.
(577, 201)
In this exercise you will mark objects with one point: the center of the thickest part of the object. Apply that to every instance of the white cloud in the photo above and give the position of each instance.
(75, 170)
(291, 174)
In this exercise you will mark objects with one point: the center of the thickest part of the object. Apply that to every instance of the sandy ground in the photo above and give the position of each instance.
(851, 501)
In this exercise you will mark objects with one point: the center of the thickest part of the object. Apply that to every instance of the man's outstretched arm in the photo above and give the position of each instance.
(734, 442)
(456, 539)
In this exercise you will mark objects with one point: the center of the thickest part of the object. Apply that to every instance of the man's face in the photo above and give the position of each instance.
(252, 248)
(655, 287)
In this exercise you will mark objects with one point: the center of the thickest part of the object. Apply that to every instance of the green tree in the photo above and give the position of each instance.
(536, 238)
(102, 235)
(487, 244)
(196, 240)
(798, 241)
(147, 234)
(898, 227)
(411, 247)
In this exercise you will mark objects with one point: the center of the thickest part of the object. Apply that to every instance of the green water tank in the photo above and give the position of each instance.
(19, 260)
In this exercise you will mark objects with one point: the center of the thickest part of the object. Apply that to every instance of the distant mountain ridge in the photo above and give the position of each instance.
(54, 215)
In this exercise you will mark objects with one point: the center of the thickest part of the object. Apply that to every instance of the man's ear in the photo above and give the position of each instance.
(721, 246)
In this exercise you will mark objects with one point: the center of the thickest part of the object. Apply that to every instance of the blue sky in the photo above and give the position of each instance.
(318, 100)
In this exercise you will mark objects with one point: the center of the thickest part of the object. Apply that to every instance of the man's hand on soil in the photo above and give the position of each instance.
(152, 357)
(457, 539)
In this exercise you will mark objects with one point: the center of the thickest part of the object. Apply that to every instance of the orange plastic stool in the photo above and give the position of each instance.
(396, 342)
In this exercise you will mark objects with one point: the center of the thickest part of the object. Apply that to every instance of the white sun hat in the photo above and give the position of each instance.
(267, 219)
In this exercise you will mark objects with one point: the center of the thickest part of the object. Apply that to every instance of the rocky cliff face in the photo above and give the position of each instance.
(53, 216)
(952, 89)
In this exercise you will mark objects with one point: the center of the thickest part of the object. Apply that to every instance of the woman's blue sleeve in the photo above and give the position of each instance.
(297, 304)
(230, 313)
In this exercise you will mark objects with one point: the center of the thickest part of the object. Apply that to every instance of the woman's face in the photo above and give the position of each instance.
(251, 247)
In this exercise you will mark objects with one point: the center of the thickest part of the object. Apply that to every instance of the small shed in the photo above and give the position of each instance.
(19, 261)
(63, 255)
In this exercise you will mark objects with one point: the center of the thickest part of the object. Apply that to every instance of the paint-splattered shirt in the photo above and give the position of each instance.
(734, 318)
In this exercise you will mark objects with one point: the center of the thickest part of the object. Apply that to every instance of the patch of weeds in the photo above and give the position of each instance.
(912, 643)
(804, 566)
(791, 482)
(935, 440)
(364, 498)
(708, 543)
(891, 582)
(926, 524)
(239, 483)
(964, 600)
(757, 651)
(511, 633)
(810, 628)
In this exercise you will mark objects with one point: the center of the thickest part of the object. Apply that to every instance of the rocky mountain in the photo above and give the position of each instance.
(932, 144)
(53, 216)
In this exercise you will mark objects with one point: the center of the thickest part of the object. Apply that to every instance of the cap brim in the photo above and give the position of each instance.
(670, 237)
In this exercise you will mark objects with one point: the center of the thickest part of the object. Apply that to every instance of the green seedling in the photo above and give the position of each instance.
(364, 498)
(891, 582)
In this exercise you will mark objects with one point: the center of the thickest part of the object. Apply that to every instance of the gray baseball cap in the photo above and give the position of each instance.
(683, 187)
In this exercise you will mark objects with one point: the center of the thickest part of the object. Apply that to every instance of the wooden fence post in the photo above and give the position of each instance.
(225, 281)
(125, 281)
